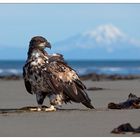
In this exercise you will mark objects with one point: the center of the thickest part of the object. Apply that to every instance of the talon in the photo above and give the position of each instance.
(39, 109)
(52, 108)
(33, 109)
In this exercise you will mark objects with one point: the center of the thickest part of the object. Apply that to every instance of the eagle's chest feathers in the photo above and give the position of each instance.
(39, 59)
(36, 69)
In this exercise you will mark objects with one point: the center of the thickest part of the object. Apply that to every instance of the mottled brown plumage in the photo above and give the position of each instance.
(48, 75)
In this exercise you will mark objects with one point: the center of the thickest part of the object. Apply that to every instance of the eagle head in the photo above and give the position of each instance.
(39, 42)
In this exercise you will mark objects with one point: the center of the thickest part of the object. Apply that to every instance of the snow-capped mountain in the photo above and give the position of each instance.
(105, 34)
(103, 42)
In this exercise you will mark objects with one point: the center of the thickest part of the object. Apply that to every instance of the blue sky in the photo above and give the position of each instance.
(56, 22)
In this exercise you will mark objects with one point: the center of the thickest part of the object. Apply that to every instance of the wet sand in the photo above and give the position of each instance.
(72, 119)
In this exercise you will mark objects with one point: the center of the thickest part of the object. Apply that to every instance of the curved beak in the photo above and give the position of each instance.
(48, 45)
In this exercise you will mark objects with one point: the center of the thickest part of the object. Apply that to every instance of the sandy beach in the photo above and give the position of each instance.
(73, 119)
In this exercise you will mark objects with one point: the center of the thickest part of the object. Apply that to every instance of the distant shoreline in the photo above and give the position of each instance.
(82, 67)
(108, 77)
(92, 76)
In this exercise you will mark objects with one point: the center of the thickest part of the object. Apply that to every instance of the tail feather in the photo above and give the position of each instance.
(85, 100)
(77, 94)
(88, 105)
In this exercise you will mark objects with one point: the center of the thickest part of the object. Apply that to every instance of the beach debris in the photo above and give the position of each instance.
(104, 77)
(125, 128)
(27, 109)
(95, 88)
(133, 102)
(34, 109)
(10, 77)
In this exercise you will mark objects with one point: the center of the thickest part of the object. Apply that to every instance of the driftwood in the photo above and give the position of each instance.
(25, 109)
(95, 88)
(106, 77)
(133, 102)
(124, 128)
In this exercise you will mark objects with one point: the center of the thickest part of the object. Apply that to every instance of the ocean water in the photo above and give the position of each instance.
(81, 66)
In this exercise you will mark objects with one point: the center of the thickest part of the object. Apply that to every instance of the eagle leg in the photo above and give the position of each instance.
(40, 98)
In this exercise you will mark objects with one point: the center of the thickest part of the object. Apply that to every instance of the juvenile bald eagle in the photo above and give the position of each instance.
(48, 75)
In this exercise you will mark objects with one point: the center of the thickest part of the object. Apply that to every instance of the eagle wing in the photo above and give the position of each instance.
(65, 80)
(56, 57)
(48, 78)
(26, 81)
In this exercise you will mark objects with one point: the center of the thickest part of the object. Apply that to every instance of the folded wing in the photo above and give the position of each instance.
(64, 79)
